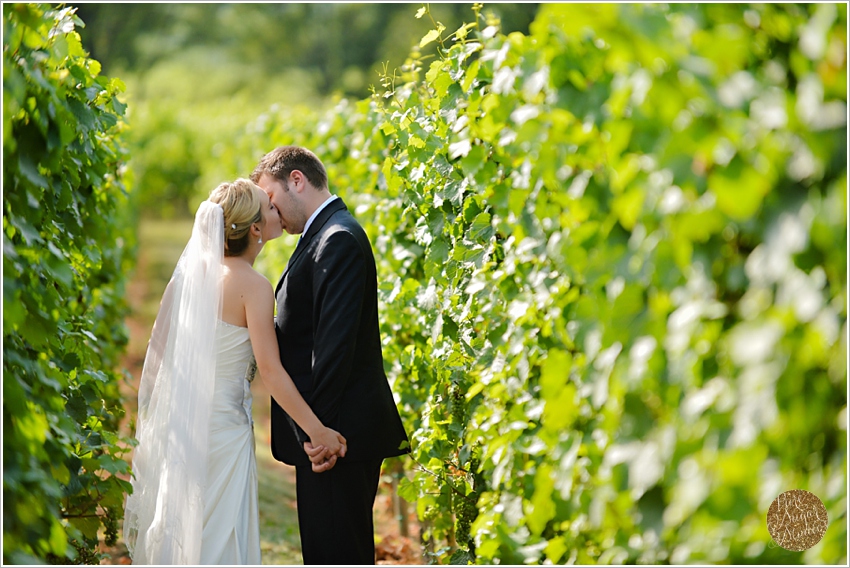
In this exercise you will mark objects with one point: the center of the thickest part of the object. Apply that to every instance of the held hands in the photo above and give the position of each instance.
(324, 448)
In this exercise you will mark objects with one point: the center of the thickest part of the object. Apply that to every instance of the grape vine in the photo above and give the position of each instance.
(67, 246)
(612, 267)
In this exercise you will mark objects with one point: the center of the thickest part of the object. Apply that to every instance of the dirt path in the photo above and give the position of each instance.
(160, 245)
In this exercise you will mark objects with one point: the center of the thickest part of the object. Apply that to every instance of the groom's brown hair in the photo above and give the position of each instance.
(281, 162)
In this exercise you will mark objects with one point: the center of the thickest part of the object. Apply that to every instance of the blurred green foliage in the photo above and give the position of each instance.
(197, 73)
(67, 247)
(612, 258)
(341, 47)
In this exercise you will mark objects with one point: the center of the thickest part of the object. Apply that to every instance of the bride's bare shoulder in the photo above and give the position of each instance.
(257, 293)
(259, 282)
(254, 283)
(244, 278)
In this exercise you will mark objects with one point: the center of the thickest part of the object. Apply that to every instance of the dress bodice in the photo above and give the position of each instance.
(235, 369)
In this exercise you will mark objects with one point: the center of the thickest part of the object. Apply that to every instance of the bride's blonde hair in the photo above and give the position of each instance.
(242, 207)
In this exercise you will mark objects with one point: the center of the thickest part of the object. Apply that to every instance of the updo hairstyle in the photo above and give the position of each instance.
(242, 208)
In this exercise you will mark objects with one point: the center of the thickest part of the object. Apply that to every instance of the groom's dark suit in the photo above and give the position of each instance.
(329, 339)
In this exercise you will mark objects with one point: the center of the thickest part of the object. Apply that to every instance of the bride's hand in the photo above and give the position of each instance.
(321, 457)
(332, 441)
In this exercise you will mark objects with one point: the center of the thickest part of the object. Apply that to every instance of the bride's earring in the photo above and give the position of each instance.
(260, 241)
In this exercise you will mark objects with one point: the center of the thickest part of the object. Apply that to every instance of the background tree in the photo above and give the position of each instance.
(197, 73)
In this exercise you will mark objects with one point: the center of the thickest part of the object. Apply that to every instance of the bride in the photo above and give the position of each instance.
(194, 498)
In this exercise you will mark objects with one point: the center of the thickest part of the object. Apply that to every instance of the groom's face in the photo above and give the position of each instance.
(286, 202)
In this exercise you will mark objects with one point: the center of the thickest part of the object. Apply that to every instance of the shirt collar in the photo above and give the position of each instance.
(316, 213)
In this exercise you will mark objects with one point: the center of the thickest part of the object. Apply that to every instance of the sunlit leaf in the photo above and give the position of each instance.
(429, 37)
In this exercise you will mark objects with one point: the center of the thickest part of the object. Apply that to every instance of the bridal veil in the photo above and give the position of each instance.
(163, 519)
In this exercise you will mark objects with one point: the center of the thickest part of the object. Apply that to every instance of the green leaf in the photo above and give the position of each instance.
(470, 75)
(83, 114)
(474, 390)
(112, 464)
(434, 70)
(75, 46)
(407, 490)
(740, 196)
(555, 549)
(542, 503)
(119, 107)
(60, 473)
(94, 67)
(114, 497)
(58, 539)
(461, 558)
(60, 271)
(627, 207)
(87, 525)
(77, 408)
(555, 373)
(441, 83)
(462, 31)
(473, 160)
(13, 310)
(560, 410)
(429, 37)
(30, 171)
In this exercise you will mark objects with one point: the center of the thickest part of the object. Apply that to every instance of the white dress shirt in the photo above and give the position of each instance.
(316, 214)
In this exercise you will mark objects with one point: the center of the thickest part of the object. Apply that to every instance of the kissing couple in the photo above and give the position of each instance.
(333, 415)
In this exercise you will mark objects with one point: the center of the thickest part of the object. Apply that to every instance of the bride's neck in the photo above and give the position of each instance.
(248, 257)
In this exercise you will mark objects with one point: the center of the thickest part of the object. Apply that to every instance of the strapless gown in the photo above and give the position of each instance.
(231, 511)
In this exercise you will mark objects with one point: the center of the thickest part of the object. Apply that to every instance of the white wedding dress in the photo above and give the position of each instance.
(194, 498)
(231, 533)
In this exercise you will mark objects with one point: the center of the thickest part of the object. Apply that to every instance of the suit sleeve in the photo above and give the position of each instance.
(339, 283)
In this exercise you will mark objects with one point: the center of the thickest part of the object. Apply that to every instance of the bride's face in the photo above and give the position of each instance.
(271, 218)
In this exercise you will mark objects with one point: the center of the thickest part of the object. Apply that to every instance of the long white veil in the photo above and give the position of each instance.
(163, 518)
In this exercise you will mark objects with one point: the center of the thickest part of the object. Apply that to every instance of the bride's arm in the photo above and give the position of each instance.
(259, 307)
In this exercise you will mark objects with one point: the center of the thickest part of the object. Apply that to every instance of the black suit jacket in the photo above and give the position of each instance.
(329, 339)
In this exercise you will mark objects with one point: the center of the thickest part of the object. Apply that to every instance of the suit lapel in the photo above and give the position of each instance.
(315, 227)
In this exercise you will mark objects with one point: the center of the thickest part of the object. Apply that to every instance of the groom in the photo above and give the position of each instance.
(329, 340)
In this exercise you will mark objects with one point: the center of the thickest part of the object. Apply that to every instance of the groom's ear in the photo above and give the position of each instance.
(297, 179)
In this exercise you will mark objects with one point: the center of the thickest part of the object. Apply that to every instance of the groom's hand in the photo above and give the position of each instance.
(325, 465)
(320, 457)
